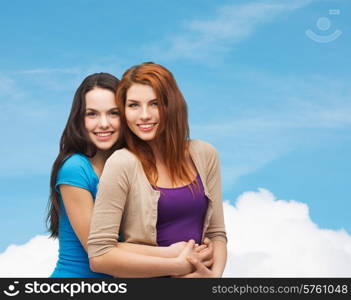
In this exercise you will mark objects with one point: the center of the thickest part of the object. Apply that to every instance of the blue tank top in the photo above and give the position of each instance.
(72, 259)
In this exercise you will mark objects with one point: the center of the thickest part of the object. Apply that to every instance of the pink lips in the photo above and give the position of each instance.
(104, 138)
(146, 129)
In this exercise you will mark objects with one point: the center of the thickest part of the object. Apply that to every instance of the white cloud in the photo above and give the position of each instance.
(36, 258)
(218, 34)
(276, 238)
(266, 238)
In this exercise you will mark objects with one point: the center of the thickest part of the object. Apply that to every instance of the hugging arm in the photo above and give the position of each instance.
(79, 205)
(120, 263)
(104, 255)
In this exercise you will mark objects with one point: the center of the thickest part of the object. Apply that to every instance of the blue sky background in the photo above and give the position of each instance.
(276, 104)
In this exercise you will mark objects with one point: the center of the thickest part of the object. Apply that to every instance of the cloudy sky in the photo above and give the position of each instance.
(266, 83)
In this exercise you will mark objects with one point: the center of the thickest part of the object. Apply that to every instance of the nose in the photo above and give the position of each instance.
(104, 122)
(145, 113)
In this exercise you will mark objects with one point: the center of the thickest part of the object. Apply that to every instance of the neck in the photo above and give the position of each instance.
(99, 159)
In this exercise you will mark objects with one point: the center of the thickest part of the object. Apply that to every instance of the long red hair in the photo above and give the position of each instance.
(173, 131)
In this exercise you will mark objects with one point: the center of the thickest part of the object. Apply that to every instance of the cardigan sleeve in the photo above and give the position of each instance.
(109, 205)
(216, 228)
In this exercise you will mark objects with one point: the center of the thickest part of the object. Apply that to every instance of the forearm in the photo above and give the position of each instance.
(219, 257)
(157, 251)
(121, 263)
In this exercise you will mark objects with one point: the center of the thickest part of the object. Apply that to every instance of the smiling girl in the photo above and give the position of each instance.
(90, 136)
(161, 189)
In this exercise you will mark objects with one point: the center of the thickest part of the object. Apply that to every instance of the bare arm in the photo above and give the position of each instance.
(104, 255)
(119, 263)
(79, 205)
(219, 258)
(167, 252)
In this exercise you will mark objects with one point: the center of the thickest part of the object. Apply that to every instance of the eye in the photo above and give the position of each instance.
(115, 113)
(132, 105)
(154, 103)
(90, 113)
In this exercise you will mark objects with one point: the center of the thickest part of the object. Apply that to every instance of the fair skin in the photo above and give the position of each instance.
(214, 271)
(143, 119)
(102, 124)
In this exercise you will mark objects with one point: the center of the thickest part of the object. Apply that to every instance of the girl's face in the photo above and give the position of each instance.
(141, 111)
(102, 118)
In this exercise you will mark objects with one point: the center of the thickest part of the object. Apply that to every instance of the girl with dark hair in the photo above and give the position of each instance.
(161, 189)
(90, 136)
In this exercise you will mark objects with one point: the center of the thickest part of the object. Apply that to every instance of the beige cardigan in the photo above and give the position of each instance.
(127, 203)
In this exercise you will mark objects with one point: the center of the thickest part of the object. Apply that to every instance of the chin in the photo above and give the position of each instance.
(105, 148)
(147, 138)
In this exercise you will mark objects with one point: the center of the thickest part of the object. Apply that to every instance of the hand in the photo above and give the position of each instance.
(205, 252)
(201, 271)
(175, 249)
(184, 266)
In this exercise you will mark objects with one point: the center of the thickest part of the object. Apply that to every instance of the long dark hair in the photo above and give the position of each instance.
(75, 139)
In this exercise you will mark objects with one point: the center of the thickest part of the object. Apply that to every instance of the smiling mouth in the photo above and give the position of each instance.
(103, 134)
(147, 126)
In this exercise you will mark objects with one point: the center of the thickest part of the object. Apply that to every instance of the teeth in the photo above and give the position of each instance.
(146, 126)
(103, 133)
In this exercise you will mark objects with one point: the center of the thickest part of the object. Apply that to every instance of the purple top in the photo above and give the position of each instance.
(181, 214)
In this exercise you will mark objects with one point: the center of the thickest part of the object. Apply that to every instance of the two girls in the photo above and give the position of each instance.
(160, 189)
(92, 133)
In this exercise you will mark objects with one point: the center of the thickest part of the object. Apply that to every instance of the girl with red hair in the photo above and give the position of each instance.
(162, 188)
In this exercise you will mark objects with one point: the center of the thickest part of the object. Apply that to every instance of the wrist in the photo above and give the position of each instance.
(217, 273)
(179, 266)
(169, 252)
(176, 266)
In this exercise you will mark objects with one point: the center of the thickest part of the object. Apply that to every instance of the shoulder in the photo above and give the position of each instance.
(76, 170)
(75, 162)
(122, 158)
(202, 149)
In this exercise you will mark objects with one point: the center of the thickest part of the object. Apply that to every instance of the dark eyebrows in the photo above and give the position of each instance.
(137, 101)
(94, 110)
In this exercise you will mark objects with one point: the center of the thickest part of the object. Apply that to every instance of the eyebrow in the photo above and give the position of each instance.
(131, 100)
(93, 109)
